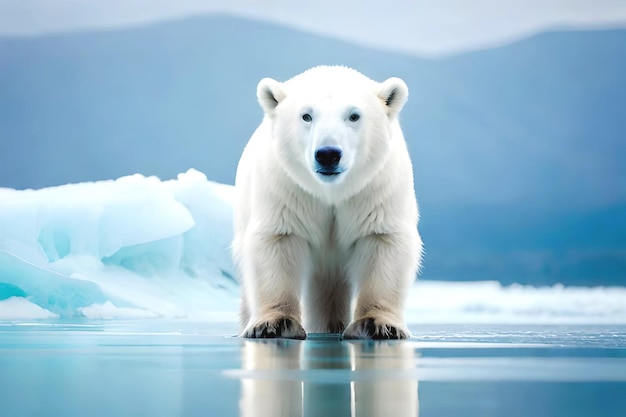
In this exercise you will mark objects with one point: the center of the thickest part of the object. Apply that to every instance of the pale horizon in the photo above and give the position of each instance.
(415, 28)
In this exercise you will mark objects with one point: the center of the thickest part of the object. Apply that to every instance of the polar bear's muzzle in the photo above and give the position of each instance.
(327, 160)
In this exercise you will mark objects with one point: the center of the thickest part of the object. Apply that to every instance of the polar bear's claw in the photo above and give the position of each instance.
(370, 328)
(283, 327)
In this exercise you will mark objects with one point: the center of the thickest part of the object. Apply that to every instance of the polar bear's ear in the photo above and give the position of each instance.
(269, 92)
(394, 93)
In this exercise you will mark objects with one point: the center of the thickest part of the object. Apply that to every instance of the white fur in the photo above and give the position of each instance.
(340, 250)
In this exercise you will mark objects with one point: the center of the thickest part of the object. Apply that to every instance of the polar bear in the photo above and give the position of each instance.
(326, 234)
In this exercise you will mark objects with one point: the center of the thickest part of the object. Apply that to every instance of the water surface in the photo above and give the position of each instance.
(180, 368)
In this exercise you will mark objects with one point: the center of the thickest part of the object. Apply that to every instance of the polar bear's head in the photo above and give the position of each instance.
(332, 127)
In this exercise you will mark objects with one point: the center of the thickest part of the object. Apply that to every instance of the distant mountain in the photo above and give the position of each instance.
(519, 151)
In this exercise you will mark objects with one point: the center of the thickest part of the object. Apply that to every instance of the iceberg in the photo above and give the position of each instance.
(134, 247)
(139, 247)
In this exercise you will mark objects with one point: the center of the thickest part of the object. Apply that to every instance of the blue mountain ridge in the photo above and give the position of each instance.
(518, 150)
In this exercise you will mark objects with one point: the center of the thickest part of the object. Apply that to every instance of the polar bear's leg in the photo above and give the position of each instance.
(328, 302)
(273, 283)
(244, 310)
(383, 267)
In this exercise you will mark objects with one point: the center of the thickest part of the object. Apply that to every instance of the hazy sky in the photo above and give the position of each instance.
(419, 26)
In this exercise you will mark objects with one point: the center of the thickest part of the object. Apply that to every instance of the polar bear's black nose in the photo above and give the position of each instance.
(328, 157)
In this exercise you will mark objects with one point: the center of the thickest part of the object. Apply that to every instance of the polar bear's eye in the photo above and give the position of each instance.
(354, 117)
(307, 117)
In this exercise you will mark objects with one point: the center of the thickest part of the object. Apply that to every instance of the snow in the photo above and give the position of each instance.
(490, 302)
(141, 248)
(20, 308)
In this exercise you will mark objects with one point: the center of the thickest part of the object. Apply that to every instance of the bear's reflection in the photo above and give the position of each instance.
(328, 378)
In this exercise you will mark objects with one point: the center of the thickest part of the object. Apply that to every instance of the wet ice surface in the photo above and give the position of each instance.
(181, 368)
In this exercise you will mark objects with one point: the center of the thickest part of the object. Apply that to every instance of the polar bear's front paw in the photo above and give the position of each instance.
(284, 327)
(371, 328)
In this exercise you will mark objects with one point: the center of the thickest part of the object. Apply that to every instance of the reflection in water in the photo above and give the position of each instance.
(323, 377)
(274, 396)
